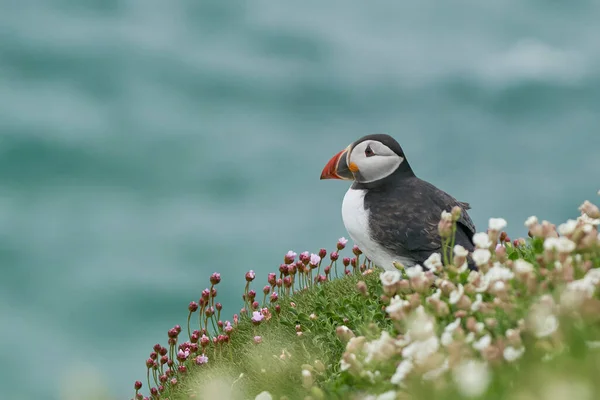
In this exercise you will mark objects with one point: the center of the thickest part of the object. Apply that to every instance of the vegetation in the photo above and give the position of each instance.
(525, 325)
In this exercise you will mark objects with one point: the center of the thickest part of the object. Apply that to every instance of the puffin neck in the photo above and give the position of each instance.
(403, 171)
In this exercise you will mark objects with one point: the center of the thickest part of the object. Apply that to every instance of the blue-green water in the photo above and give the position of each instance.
(145, 144)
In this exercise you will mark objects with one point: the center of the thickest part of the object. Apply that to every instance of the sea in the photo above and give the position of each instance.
(146, 144)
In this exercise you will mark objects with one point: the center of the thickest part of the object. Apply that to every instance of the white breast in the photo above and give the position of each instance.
(356, 221)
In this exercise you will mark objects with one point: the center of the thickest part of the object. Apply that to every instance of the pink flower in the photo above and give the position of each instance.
(272, 278)
(304, 257)
(257, 339)
(182, 355)
(257, 317)
(200, 360)
(341, 243)
(289, 257)
(314, 260)
(215, 278)
(250, 275)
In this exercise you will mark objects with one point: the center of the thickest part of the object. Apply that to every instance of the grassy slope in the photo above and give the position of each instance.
(338, 303)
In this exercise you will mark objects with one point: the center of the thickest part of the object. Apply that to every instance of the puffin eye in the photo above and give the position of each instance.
(369, 151)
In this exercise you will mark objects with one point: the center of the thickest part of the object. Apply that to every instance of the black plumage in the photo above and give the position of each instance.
(404, 211)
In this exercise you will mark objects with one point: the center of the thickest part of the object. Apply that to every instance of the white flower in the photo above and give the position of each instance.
(531, 221)
(498, 272)
(482, 240)
(481, 256)
(497, 224)
(421, 325)
(544, 323)
(477, 303)
(470, 337)
(446, 216)
(560, 244)
(264, 396)
(587, 220)
(402, 370)
(498, 286)
(472, 378)
(396, 305)
(460, 251)
(436, 295)
(479, 327)
(451, 327)
(457, 294)
(483, 343)
(568, 227)
(419, 350)
(523, 267)
(447, 339)
(512, 354)
(390, 278)
(462, 268)
(416, 271)
(389, 395)
(434, 262)
(380, 349)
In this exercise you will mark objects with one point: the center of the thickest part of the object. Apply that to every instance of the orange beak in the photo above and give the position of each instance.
(337, 167)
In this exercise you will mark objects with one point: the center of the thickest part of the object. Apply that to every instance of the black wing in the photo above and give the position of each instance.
(405, 219)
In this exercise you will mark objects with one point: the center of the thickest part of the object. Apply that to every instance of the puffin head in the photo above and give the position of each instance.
(369, 159)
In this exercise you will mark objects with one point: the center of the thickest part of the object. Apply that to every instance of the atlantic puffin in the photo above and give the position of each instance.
(389, 213)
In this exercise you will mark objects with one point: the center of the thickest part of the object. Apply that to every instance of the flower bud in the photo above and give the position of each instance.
(215, 278)
(356, 251)
(193, 306)
(137, 385)
(250, 275)
(322, 253)
(272, 278)
(346, 261)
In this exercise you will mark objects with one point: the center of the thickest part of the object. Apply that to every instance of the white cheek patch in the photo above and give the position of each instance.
(378, 167)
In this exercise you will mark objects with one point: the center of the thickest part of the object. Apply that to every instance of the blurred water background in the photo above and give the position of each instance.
(145, 144)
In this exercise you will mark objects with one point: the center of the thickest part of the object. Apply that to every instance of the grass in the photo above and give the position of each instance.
(526, 326)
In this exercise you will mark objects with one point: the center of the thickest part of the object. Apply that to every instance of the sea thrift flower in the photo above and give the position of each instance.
(472, 378)
(481, 256)
(482, 240)
(356, 251)
(250, 275)
(457, 294)
(497, 224)
(202, 359)
(193, 306)
(290, 257)
(257, 339)
(403, 369)
(522, 267)
(389, 280)
(434, 262)
(334, 256)
(183, 355)
(322, 253)
(274, 297)
(267, 289)
(346, 261)
(590, 209)
(215, 278)
(561, 244)
(272, 278)
(342, 243)
(531, 221)
(380, 349)
(257, 317)
(314, 260)
(305, 257)
(344, 333)
(511, 354)
(568, 228)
